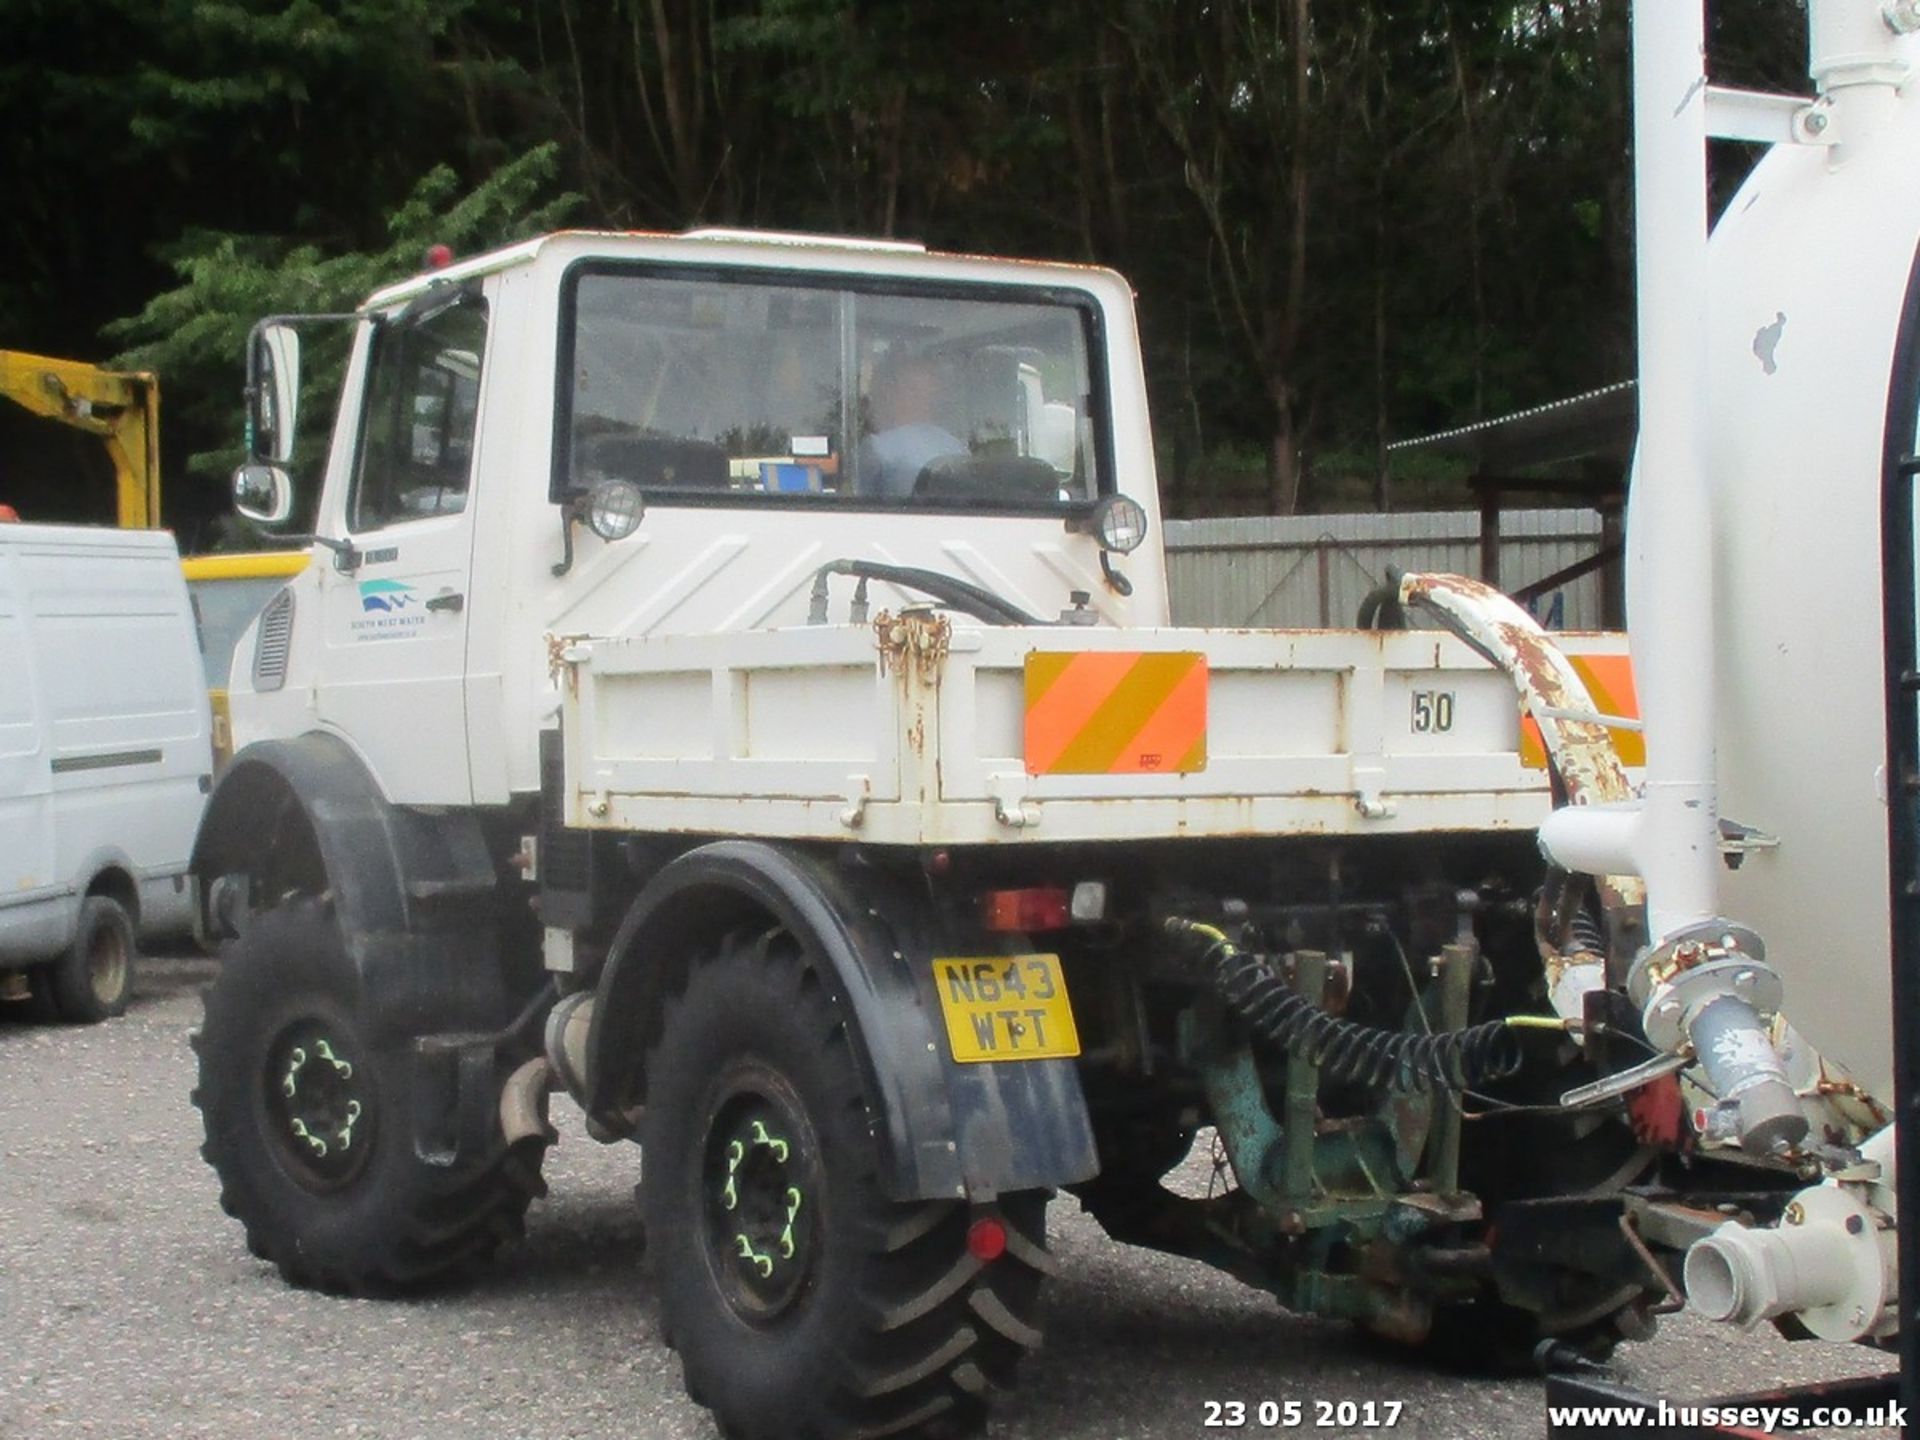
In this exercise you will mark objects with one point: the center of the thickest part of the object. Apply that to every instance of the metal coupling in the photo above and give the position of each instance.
(1708, 987)
(568, 1025)
(1830, 1262)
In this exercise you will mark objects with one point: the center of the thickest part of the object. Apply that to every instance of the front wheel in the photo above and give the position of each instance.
(310, 1124)
(805, 1304)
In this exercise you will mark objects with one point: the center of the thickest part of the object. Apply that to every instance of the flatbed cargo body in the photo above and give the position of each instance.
(849, 733)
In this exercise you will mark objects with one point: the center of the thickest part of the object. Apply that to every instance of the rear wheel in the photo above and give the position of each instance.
(805, 1304)
(309, 1122)
(93, 980)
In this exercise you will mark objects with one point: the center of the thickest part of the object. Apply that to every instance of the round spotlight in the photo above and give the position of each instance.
(615, 509)
(1120, 523)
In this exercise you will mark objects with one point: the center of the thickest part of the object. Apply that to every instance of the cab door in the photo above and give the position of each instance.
(394, 606)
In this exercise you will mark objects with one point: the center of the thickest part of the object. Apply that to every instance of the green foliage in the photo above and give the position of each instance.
(195, 334)
(1347, 221)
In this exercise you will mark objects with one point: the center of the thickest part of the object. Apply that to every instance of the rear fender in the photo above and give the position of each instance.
(949, 1130)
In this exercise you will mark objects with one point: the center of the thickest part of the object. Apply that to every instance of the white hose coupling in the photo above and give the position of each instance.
(1830, 1262)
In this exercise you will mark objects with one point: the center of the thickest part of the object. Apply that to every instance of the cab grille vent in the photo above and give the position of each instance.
(276, 640)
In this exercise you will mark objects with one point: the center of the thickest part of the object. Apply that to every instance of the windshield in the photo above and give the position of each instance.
(746, 389)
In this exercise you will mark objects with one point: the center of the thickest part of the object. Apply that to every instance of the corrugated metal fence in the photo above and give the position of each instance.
(1306, 571)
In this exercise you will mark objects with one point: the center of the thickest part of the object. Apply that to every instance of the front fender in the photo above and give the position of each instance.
(413, 891)
(948, 1130)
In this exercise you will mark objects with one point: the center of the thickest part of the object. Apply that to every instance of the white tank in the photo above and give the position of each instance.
(1811, 267)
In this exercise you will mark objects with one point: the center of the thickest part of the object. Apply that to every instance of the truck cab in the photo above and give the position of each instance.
(742, 384)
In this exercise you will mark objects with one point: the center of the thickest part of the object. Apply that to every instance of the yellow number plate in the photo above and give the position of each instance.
(1006, 1007)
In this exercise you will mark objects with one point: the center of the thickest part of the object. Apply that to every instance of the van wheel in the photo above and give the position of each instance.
(310, 1124)
(94, 979)
(803, 1301)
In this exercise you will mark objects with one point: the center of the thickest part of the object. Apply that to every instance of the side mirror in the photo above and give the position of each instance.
(263, 493)
(273, 392)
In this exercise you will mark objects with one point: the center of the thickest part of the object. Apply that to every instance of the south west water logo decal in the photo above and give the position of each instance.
(389, 610)
(385, 596)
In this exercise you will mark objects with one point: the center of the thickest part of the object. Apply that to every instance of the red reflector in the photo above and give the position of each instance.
(1025, 910)
(439, 256)
(987, 1239)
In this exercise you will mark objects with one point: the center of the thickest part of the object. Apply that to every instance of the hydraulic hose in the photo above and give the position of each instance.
(1381, 608)
(975, 600)
(1400, 1060)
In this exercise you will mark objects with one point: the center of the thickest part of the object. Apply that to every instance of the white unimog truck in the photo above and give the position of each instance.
(735, 688)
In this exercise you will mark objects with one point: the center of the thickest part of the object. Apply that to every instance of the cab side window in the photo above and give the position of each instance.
(416, 434)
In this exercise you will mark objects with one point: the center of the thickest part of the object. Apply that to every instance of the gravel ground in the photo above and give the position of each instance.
(130, 1307)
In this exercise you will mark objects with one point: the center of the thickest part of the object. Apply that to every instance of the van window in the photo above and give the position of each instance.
(416, 434)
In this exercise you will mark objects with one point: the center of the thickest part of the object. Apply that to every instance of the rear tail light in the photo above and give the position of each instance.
(1026, 911)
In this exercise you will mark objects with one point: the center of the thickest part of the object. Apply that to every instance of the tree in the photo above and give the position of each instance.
(196, 333)
(1344, 222)
(1232, 88)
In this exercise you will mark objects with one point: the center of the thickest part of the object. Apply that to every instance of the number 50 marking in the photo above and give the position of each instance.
(1432, 711)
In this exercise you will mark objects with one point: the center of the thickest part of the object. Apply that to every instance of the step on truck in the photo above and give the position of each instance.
(735, 689)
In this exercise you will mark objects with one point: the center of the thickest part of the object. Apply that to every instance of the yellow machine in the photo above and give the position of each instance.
(121, 407)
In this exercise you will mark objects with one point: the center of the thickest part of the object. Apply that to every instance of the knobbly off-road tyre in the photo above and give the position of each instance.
(804, 1303)
(310, 1127)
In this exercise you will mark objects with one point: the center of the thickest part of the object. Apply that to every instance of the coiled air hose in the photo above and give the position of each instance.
(1584, 933)
(1401, 1060)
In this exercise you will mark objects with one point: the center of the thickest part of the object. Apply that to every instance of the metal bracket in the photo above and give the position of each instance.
(1738, 841)
(859, 792)
(1763, 119)
(1010, 805)
(1367, 783)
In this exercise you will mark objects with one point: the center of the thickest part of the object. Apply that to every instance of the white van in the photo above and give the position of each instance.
(105, 760)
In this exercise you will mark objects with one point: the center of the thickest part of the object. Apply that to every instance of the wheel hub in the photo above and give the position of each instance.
(106, 964)
(318, 1104)
(762, 1193)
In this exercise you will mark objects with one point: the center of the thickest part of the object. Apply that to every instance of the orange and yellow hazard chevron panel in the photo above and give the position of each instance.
(1104, 712)
(1610, 681)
